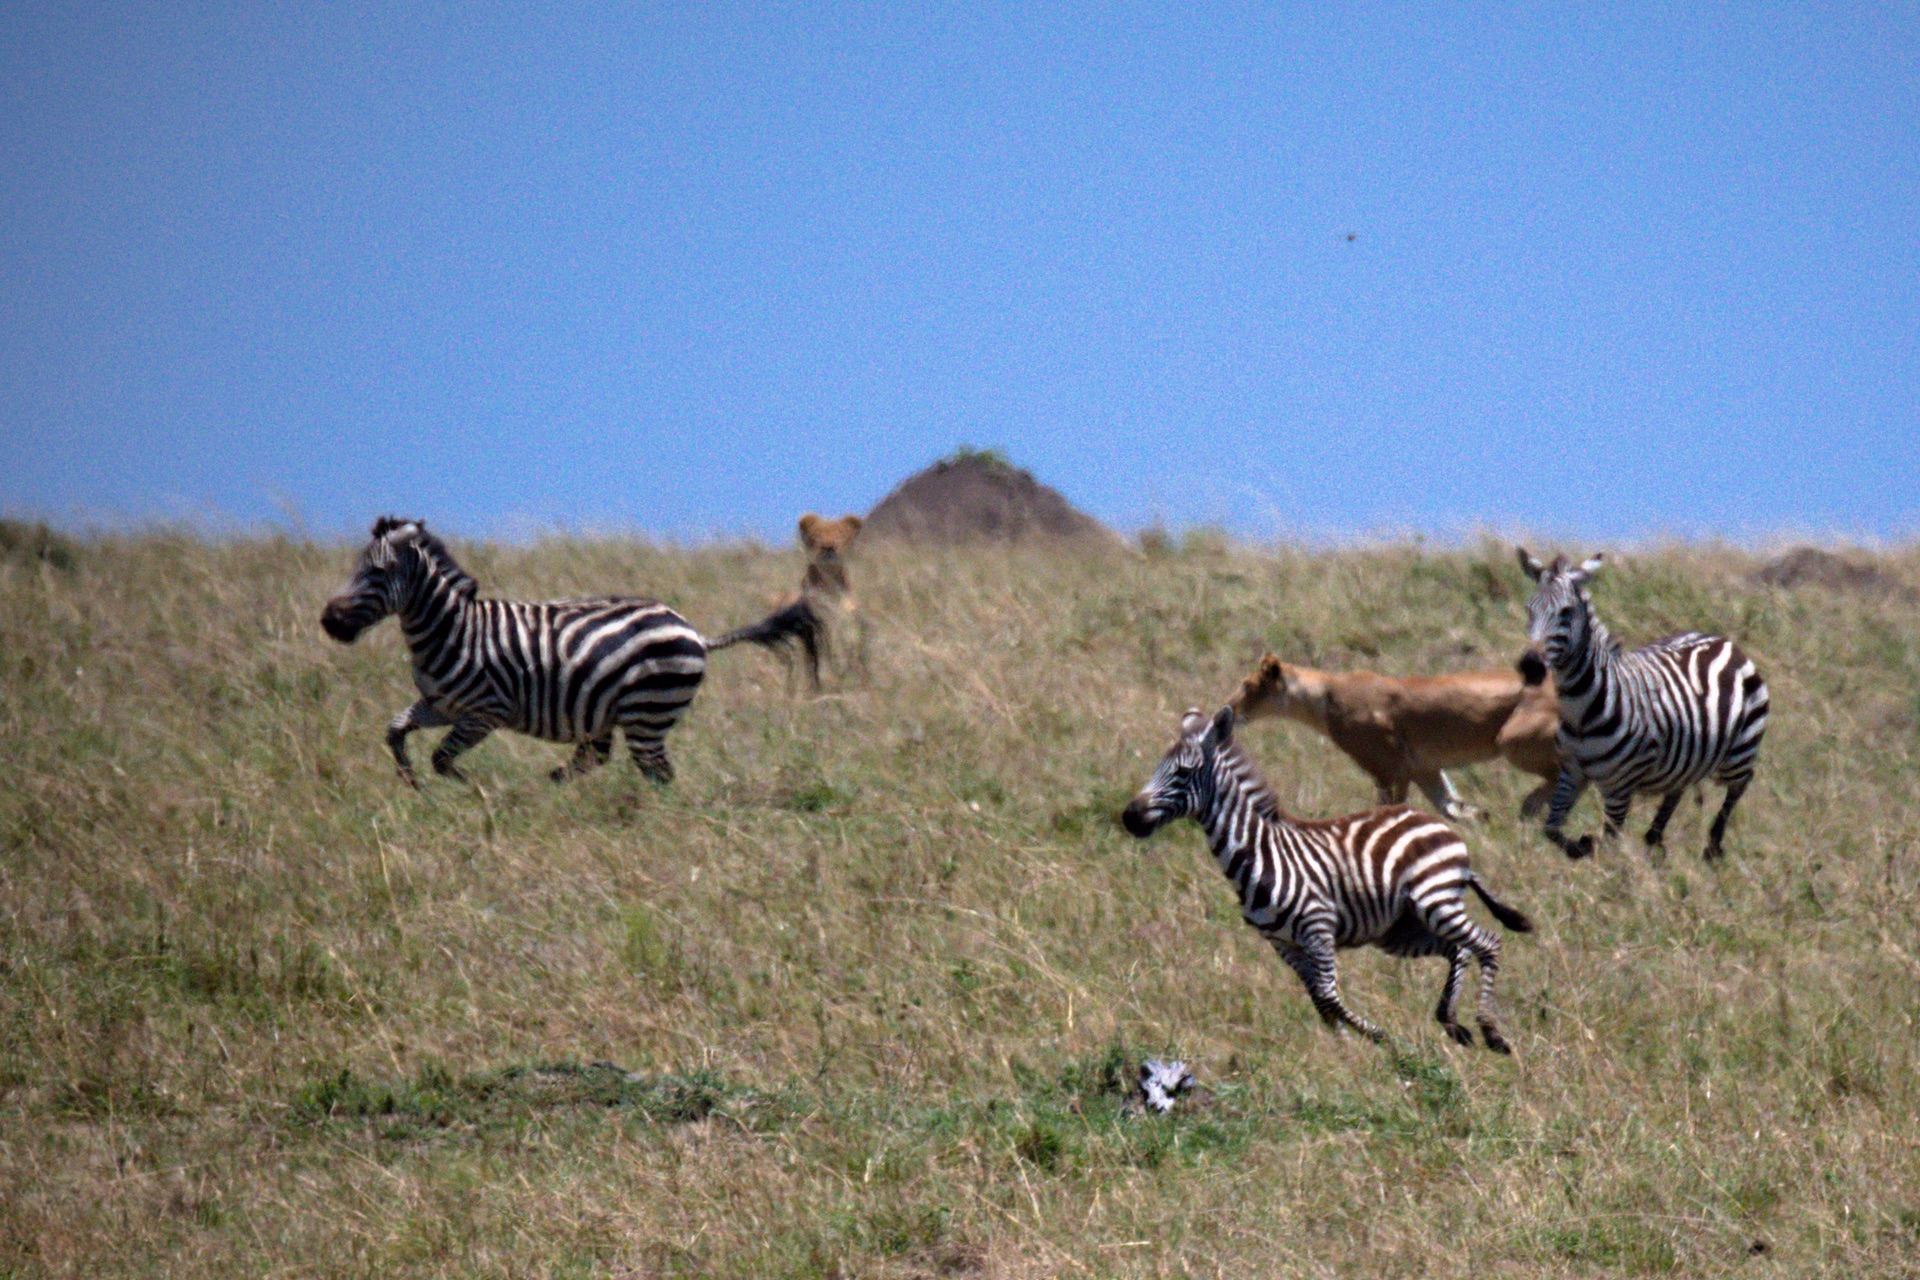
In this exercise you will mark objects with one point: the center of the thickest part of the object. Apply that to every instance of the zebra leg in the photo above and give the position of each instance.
(1450, 923)
(1734, 791)
(587, 757)
(1450, 995)
(465, 735)
(1615, 806)
(1296, 958)
(418, 716)
(1315, 967)
(1566, 793)
(1535, 800)
(650, 757)
(1486, 949)
(1657, 833)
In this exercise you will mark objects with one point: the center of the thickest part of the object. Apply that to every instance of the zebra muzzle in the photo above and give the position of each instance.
(1532, 667)
(334, 620)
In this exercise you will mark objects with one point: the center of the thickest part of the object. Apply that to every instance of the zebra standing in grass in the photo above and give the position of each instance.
(1659, 718)
(563, 670)
(1392, 877)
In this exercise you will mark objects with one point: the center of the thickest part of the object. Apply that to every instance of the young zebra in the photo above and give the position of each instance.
(563, 670)
(1659, 718)
(1393, 877)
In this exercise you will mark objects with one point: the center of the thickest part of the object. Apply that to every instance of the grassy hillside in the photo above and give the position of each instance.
(872, 975)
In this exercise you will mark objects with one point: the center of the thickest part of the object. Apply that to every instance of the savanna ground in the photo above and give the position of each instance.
(874, 973)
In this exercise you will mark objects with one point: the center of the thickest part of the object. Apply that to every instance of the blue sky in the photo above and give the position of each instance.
(1613, 272)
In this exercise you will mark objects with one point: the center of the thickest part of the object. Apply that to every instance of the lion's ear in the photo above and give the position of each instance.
(853, 523)
(810, 531)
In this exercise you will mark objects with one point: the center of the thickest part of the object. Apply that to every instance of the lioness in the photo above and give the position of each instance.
(1411, 729)
(825, 586)
(826, 542)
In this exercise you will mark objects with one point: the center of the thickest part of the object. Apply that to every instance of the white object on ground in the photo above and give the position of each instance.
(1163, 1082)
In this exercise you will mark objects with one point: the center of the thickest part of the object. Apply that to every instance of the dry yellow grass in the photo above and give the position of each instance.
(875, 961)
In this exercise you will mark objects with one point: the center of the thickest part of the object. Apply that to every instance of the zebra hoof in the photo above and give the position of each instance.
(1458, 1033)
(1581, 848)
(1713, 853)
(560, 775)
(1495, 1041)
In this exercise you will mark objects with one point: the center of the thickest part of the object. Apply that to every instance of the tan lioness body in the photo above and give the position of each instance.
(1403, 729)
(825, 584)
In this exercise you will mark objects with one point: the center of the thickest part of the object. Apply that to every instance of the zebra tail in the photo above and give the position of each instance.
(778, 630)
(1505, 914)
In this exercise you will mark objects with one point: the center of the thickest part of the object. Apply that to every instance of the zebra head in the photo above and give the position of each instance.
(1560, 613)
(1182, 786)
(401, 557)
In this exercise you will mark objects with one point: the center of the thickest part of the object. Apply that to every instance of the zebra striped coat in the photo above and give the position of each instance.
(564, 670)
(1657, 719)
(1392, 877)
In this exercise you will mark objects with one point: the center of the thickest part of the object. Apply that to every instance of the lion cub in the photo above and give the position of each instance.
(1411, 729)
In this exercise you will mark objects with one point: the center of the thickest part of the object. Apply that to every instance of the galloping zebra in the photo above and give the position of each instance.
(1659, 718)
(1393, 877)
(563, 670)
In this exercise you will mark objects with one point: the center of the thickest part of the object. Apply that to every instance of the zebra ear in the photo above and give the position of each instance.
(1528, 565)
(1590, 566)
(1220, 732)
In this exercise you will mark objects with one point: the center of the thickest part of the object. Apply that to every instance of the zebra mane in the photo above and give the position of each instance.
(1599, 635)
(439, 558)
(1265, 802)
(460, 581)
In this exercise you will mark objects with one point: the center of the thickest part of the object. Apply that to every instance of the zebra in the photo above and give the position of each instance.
(1659, 718)
(1392, 877)
(562, 670)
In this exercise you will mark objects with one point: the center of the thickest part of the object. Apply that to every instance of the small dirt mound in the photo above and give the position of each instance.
(1812, 567)
(976, 497)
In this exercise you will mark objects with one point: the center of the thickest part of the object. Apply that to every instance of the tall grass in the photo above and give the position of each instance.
(861, 993)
